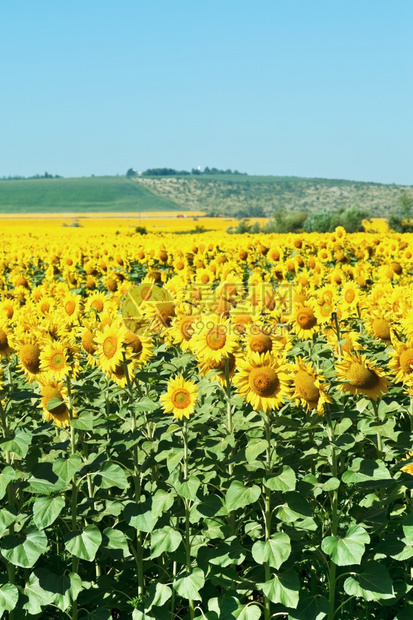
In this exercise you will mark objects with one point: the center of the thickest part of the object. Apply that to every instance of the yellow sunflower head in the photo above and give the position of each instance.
(263, 381)
(180, 398)
(361, 376)
(309, 386)
(54, 405)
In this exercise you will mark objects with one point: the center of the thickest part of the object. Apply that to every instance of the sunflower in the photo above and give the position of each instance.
(28, 351)
(207, 367)
(215, 339)
(58, 413)
(54, 360)
(309, 386)
(5, 346)
(263, 381)
(180, 397)
(379, 326)
(361, 376)
(401, 363)
(139, 347)
(182, 330)
(260, 339)
(110, 346)
(304, 322)
(71, 307)
(408, 469)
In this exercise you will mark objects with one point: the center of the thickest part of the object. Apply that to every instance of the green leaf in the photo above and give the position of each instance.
(46, 510)
(84, 422)
(64, 588)
(6, 518)
(295, 507)
(189, 488)
(116, 543)
(24, 550)
(310, 608)
(9, 595)
(140, 516)
(368, 473)
(145, 404)
(7, 475)
(84, 543)
(173, 459)
(408, 527)
(283, 588)
(285, 481)
(372, 583)
(19, 444)
(274, 551)
(66, 468)
(37, 597)
(98, 614)
(348, 550)
(239, 495)
(54, 403)
(250, 612)
(254, 448)
(159, 594)
(164, 540)
(162, 501)
(111, 475)
(188, 584)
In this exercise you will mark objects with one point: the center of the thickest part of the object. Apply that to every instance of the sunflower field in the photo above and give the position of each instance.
(215, 426)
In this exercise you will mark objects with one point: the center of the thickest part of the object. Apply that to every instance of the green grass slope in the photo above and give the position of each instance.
(81, 195)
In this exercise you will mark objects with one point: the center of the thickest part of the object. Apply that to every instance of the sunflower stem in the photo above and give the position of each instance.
(136, 481)
(230, 428)
(379, 438)
(267, 507)
(75, 560)
(187, 513)
(334, 518)
(338, 334)
(11, 570)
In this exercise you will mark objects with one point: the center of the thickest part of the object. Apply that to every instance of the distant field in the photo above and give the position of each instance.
(86, 194)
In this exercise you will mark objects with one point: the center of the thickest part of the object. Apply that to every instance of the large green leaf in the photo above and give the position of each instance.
(64, 588)
(84, 422)
(7, 475)
(162, 501)
(188, 584)
(240, 495)
(46, 510)
(164, 540)
(372, 583)
(284, 481)
(283, 588)
(9, 595)
(367, 473)
(24, 549)
(310, 608)
(19, 444)
(189, 488)
(111, 475)
(84, 543)
(7, 517)
(66, 468)
(408, 527)
(116, 543)
(140, 516)
(274, 551)
(249, 612)
(348, 550)
(254, 448)
(37, 598)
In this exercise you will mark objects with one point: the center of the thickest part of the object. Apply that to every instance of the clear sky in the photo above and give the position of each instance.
(285, 87)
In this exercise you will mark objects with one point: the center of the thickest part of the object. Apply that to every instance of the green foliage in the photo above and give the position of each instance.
(287, 222)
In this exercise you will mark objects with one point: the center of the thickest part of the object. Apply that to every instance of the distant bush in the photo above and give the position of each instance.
(352, 219)
(398, 224)
(141, 230)
(245, 227)
(286, 222)
(326, 221)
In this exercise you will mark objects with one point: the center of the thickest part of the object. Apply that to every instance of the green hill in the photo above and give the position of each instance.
(219, 194)
(234, 194)
(85, 194)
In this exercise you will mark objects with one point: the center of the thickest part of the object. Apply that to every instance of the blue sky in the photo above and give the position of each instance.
(300, 88)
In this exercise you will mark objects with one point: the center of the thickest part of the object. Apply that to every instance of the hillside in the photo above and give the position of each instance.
(85, 194)
(230, 194)
(215, 194)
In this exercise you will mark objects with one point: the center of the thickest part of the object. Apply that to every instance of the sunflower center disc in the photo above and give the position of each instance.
(381, 329)
(110, 346)
(30, 357)
(3, 341)
(181, 399)
(406, 360)
(263, 381)
(216, 338)
(362, 377)
(261, 344)
(306, 319)
(305, 387)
